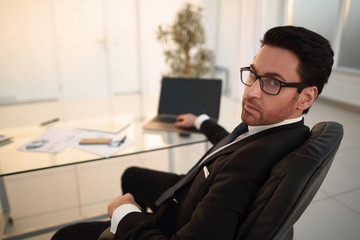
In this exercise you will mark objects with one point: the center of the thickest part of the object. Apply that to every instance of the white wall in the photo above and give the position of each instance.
(122, 45)
(332, 22)
(68, 49)
(80, 44)
(151, 14)
(28, 67)
(65, 49)
(344, 87)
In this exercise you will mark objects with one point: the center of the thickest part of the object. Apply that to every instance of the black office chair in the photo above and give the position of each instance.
(292, 185)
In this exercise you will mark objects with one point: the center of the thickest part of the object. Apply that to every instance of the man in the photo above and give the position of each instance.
(212, 200)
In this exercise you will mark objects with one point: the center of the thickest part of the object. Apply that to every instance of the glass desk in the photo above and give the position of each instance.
(21, 123)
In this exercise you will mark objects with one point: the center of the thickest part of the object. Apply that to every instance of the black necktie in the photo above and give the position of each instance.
(240, 129)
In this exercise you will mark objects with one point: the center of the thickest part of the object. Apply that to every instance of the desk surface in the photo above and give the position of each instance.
(21, 122)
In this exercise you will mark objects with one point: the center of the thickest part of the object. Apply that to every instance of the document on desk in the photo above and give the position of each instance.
(57, 139)
(53, 141)
(105, 150)
(112, 125)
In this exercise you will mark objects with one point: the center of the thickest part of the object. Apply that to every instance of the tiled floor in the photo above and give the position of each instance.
(335, 212)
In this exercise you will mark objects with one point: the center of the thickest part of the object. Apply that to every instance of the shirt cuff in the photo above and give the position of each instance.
(120, 213)
(200, 119)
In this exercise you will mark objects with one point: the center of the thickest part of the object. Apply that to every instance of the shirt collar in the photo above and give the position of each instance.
(256, 129)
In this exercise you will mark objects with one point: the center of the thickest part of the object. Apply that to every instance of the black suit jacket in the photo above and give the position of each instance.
(213, 207)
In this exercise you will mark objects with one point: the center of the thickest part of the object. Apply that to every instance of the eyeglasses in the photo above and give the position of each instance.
(268, 85)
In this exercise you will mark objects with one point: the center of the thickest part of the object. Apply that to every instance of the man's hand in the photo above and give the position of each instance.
(185, 120)
(121, 200)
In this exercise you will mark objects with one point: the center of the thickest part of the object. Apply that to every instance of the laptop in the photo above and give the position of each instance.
(185, 95)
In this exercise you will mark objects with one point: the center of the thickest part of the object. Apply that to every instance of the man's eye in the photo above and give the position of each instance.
(273, 82)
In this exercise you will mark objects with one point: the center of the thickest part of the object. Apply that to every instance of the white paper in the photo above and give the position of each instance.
(108, 125)
(104, 150)
(53, 141)
(57, 139)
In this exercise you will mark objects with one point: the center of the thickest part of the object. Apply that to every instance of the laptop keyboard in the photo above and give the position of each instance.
(165, 119)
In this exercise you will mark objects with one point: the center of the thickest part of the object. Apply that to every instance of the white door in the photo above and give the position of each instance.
(81, 45)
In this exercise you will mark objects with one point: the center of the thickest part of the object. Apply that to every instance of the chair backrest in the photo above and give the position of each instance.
(292, 185)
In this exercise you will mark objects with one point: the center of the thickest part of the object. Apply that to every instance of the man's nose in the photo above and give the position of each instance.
(255, 89)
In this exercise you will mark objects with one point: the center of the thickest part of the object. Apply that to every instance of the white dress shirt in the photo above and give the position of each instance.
(125, 209)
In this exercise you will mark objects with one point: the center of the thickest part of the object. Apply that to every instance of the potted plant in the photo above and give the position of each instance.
(184, 41)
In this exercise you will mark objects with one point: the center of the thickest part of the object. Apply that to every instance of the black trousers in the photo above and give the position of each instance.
(146, 185)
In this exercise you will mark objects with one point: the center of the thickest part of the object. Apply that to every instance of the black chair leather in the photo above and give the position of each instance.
(292, 185)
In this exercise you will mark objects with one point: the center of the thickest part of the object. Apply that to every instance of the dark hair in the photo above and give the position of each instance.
(313, 50)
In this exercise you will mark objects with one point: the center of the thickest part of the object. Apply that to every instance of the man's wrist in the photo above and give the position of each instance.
(119, 213)
(200, 119)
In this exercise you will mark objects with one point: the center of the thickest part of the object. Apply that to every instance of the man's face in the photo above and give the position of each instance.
(260, 108)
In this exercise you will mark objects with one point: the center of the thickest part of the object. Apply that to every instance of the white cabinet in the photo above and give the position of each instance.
(79, 33)
(65, 49)
(27, 51)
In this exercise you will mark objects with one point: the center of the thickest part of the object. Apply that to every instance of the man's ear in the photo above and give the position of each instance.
(307, 97)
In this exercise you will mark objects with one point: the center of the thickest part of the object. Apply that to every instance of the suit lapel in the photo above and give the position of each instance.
(235, 146)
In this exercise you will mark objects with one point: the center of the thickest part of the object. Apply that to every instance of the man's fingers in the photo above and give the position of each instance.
(121, 200)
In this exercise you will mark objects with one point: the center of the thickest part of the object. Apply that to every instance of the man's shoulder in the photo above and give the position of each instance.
(283, 138)
(291, 128)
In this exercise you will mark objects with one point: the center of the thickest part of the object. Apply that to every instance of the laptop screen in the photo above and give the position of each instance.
(190, 95)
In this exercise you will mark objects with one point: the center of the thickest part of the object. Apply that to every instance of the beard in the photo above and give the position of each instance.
(255, 114)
